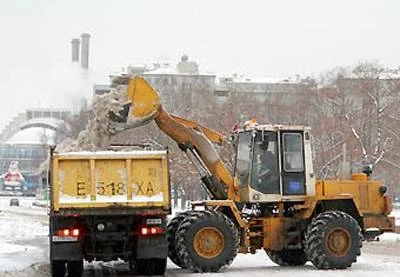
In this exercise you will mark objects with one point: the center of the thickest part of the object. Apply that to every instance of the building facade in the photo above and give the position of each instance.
(183, 87)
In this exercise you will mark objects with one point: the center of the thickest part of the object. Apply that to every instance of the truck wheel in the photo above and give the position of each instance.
(75, 268)
(150, 266)
(172, 227)
(287, 257)
(207, 241)
(57, 268)
(333, 240)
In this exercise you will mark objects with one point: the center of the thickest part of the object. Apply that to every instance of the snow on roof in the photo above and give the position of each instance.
(33, 135)
(259, 80)
(49, 121)
(168, 69)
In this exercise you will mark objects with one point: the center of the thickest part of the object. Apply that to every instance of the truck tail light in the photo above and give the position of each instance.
(74, 232)
(146, 231)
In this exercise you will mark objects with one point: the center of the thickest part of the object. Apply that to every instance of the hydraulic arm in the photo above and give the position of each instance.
(145, 106)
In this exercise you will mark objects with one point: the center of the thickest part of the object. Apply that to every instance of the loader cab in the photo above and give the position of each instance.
(274, 163)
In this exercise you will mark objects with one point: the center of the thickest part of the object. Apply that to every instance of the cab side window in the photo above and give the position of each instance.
(293, 163)
(293, 152)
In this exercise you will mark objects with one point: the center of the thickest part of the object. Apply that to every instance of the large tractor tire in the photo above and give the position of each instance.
(287, 257)
(172, 228)
(207, 241)
(150, 266)
(333, 240)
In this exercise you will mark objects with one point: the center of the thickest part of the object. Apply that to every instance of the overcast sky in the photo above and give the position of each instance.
(257, 38)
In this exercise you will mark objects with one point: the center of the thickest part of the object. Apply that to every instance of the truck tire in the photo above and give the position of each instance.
(207, 241)
(75, 268)
(287, 257)
(172, 227)
(150, 266)
(333, 240)
(57, 268)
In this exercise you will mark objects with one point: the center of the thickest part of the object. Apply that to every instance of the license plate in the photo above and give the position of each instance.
(153, 221)
(64, 239)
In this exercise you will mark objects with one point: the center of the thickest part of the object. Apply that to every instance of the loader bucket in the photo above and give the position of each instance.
(141, 107)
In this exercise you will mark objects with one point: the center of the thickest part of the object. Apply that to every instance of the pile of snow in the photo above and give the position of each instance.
(98, 131)
(113, 154)
(389, 238)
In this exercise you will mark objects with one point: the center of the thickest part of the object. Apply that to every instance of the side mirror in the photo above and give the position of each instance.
(382, 190)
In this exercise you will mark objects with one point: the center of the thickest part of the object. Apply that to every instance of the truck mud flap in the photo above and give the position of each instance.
(69, 251)
(152, 248)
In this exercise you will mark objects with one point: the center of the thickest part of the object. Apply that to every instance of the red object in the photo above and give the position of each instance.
(152, 231)
(74, 232)
(145, 231)
(13, 176)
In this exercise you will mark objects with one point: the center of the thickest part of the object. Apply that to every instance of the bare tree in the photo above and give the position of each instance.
(362, 107)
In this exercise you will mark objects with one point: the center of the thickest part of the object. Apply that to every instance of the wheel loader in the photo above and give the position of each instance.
(271, 201)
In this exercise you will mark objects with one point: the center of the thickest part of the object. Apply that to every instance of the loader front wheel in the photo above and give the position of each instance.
(333, 240)
(207, 241)
(172, 228)
(287, 257)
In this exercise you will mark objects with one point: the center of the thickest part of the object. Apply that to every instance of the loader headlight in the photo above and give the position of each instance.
(101, 227)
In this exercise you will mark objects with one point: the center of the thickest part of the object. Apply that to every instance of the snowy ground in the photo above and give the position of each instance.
(24, 252)
(23, 235)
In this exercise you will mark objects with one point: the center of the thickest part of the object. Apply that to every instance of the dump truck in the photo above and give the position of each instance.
(109, 205)
(271, 201)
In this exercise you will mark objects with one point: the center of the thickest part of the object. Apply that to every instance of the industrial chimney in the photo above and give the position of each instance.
(75, 49)
(85, 50)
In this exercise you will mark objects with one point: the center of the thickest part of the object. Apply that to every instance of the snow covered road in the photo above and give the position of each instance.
(23, 235)
(24, 252)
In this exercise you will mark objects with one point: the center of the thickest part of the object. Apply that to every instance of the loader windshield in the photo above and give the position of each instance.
(264, 176)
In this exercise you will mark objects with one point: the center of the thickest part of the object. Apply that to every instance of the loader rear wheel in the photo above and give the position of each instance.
(333, 240)
(172, 228)
(207, 241)
(287, 257)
